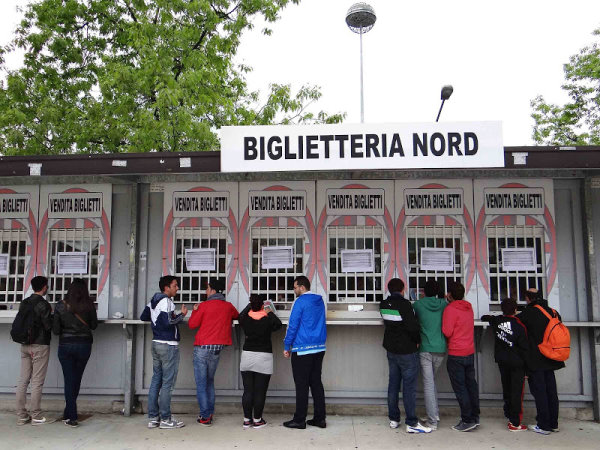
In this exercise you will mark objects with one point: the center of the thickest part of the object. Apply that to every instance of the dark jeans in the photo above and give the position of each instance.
(542, 385)
(307, 374)
(461, 370)
(255, 393)
(403, 371)
(73, 358)
(513, 384)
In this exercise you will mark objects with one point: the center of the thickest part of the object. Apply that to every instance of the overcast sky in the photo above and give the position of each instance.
(497, 55)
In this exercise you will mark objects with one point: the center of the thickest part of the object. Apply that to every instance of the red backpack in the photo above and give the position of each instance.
(556, 343)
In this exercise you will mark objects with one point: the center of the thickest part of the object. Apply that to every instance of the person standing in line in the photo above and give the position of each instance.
(432, 350)
(458, 326)
(164, 320)
(305, 343)
(401, 340)
(74, 319)
(35, 355)
(542, 382)
(213, 318)
(510, 353)
(256, 362)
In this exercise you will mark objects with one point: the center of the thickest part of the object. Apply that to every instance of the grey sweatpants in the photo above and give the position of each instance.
(430, 363)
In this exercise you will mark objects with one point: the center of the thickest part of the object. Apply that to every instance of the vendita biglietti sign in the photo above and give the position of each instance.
(361, 146)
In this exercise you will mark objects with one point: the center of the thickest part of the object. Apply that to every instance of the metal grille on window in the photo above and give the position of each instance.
(434, 236)
(192, 283)
(514, 283)
(13, 243)
(356, 287)
(276, 284)
(72, 240)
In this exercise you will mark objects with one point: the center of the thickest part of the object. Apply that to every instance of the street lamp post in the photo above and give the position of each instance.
(446, 93)
(360, 18)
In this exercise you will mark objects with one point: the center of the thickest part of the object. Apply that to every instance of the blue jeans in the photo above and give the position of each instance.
(403, 370)
(165, 364)
(205, 366)
(73, 358)
(461, 370)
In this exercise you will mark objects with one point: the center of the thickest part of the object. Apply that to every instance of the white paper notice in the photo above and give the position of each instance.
(202, 259)
(518, 259)
(72, 262)
(277, 257)
(4, 258)
(439, 259)
(358, 261)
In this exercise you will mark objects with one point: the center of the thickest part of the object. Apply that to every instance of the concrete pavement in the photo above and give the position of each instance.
(112, 431)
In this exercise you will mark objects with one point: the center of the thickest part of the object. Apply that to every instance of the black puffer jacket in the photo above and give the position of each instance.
(535, 322)
(402, 330)
(70, 328)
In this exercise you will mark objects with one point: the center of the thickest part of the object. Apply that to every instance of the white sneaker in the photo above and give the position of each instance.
(42, 421)
(538, 430)
(394, 424)
(171, 424)
(153, 422)
(418, 428)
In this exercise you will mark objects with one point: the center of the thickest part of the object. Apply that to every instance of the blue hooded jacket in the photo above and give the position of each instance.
(161, 313)
(306, 331)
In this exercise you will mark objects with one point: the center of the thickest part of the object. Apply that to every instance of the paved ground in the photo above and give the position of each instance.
(108, 431)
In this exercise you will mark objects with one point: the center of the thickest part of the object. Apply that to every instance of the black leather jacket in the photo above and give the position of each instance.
(70, 328)
(42, 313)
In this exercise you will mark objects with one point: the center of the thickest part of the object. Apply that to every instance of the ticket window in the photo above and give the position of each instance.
(194, 279)
(513, 283)
(84, 244)
(355, 287)
(277, 284)
(13, 245)
(433, 237)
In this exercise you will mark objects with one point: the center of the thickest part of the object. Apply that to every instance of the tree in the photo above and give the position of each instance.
(104, 76)
(578, 121)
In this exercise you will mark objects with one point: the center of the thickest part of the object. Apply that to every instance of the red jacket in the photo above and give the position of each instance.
(214, 317)
(458, 327)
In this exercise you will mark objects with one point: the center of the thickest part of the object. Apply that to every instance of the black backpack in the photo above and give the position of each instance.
(23, 327)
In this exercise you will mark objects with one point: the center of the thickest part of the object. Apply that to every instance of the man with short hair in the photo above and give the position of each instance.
(165, 352)
(305, 343)
(34, 356)
(213, 318)
(432, 350)
(458, 327)
(542, 382)
(401, 340)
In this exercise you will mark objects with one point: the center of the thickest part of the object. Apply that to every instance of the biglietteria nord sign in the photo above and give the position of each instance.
(361, 146)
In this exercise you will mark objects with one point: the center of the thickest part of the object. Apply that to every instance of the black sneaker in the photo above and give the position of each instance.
(293, 424)
(464, 426)
(261, 423)
(71, 423)
(317, 423)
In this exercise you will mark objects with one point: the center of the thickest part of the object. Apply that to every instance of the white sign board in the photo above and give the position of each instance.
(75, 205)
(277, 203)
(72, 263)
(433, 202)
(281, 257)
(510, 201)
(361, 146)
(200, 204)
(4, 258)
(355, 202)
(203, 259)
(518, 259)
(438, 259)
(358, 261)
(14, 206)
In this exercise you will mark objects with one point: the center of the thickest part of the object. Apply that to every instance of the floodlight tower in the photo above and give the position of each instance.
(360, 18)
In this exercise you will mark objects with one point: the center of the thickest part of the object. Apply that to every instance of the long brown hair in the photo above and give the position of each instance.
(78, 298)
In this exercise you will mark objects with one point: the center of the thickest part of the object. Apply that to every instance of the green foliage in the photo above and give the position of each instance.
(578, 121)
(104, 76)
